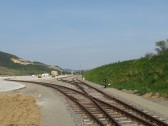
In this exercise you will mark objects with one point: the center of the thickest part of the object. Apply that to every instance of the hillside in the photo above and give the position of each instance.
(148, 74)
(13, 65)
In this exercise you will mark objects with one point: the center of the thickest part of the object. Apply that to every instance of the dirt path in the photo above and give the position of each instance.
(17, 109)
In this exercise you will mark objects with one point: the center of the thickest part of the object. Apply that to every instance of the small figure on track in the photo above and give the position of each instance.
(105, 82)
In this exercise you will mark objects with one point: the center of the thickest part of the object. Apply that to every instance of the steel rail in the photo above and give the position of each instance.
(140, 120)
(83, 108)
(45, 84)
(68, 96)
(142, 114)
(105, 112)
(94, 100)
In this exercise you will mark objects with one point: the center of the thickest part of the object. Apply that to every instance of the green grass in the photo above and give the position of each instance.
(144, 74)
(8, 72)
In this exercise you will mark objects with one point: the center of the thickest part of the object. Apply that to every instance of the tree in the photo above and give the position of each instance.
(149, 55)
(162, 46)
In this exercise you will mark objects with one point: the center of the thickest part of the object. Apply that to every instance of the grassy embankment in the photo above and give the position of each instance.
(149, 74)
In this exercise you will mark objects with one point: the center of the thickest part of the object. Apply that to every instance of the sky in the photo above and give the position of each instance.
(82, 34)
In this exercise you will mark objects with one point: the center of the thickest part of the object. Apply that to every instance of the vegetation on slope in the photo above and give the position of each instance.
(148, 74)
(8, 67)
(4, 71)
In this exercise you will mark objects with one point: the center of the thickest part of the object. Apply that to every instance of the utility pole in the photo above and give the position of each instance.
(80, 70)
(72, 72)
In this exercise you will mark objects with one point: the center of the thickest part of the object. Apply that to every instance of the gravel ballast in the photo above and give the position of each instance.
(56, 111)
(53, 108)
(154, 108)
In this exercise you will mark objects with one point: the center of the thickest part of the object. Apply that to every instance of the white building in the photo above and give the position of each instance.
(45, 75)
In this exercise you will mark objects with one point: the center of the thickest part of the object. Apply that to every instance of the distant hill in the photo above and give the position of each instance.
(13, 65)
(74, 71)
(70, 70)
(147, 74)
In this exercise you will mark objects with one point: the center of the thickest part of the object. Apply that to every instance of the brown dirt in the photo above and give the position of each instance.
(20, 61)
(16, 109)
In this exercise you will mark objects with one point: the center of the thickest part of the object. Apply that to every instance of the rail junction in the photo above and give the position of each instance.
(98, 108)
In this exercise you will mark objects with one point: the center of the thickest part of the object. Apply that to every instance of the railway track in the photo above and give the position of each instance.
(100, 109)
